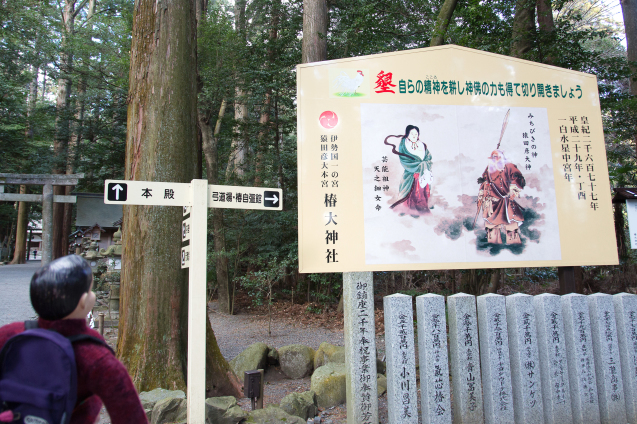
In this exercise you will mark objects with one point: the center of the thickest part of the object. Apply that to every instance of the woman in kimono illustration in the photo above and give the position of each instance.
(415, 186)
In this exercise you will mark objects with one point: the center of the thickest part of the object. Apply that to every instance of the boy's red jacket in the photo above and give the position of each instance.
(101, 377)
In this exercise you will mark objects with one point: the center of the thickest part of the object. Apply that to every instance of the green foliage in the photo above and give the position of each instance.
(256, 68)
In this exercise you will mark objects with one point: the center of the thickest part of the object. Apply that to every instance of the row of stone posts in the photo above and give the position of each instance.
(515, 359)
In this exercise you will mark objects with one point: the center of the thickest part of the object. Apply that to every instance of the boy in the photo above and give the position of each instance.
(61, 294)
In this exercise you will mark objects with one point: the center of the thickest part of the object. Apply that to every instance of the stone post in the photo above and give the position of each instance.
(402, 396)
(556, 395)
(525, 364)
(494, 357)
(433, 359)
(360, 348)
(608, 371)
(465, 359)
(579, 356)
(626, 316)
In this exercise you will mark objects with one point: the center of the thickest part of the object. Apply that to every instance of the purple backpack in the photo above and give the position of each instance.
(38, 376)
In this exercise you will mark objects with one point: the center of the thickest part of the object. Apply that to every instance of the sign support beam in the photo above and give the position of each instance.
(197, 310)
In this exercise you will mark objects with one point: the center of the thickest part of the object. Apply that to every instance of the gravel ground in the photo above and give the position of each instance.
(236, 332)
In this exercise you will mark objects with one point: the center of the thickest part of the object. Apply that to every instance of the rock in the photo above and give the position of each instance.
(272, 415)
(329, 353)
(253, 358)
(149, 413)
(169, 410)
(297, 361)
(381, 382)
(223, 410)
(328, 382)
(273, 356)
(149, 399)
(300, 404)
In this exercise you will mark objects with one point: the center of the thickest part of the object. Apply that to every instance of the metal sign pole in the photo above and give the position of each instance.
(197, 310)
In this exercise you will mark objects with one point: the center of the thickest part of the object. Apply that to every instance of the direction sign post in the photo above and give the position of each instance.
(196, 374)
(195, 198)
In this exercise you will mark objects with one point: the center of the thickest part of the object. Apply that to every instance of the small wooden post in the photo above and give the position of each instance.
(261, 393)
(566, 275)
(101, 323)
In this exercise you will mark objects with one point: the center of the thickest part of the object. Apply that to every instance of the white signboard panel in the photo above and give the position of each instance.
(147, 193)
(236, 197)
(185, 257)
(631, 210)
(185, 229)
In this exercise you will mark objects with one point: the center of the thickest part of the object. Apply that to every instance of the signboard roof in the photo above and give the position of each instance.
(449, 157)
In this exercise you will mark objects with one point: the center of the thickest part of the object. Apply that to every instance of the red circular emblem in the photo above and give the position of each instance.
(328, 119)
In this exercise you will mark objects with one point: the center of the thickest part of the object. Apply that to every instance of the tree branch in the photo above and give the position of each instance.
(79, 8)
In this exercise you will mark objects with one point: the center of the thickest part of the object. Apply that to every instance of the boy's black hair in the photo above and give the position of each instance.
(56, 288)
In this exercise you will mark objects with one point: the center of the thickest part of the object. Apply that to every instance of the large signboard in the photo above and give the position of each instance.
(449, 157)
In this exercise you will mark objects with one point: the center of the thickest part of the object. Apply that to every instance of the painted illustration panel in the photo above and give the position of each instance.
(445, 183)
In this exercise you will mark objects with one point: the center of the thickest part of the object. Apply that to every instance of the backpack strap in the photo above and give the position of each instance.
(30, 325)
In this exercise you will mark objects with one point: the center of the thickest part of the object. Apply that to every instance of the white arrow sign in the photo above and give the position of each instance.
(147, 193)
(237, 197)
(117, 189)
(273, 198)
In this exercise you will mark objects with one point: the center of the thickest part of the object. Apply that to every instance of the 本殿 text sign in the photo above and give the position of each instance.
(152, 193)
(449, 157)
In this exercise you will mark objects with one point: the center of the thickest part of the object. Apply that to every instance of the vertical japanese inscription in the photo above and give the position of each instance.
(433, 359)
(401, 361)
(529, 143)
(525, 367)
(360, 348)
(577, 158)
(494, 356)
(625, 306)
(465, 359)
(381, 181)
(608, 370)
(556, 396)
(579, 351)
(329, 188)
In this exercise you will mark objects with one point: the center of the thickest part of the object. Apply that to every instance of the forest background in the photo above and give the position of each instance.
(64, 108)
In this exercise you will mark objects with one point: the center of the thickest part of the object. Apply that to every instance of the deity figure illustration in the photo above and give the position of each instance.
(415, 185)
(500, 183)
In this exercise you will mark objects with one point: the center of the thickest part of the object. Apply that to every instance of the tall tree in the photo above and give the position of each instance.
(442, 23)
(239, 149)
(523, 27)
(315, 24)
(161, 145)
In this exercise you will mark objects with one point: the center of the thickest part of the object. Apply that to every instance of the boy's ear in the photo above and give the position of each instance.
(82, 303)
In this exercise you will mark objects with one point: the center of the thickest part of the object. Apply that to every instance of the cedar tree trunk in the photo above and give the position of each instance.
(19, 254)
(160, 146)
(315, 24)
(523, 27)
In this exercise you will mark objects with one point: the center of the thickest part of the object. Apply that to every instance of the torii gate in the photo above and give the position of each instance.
(47, 198)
